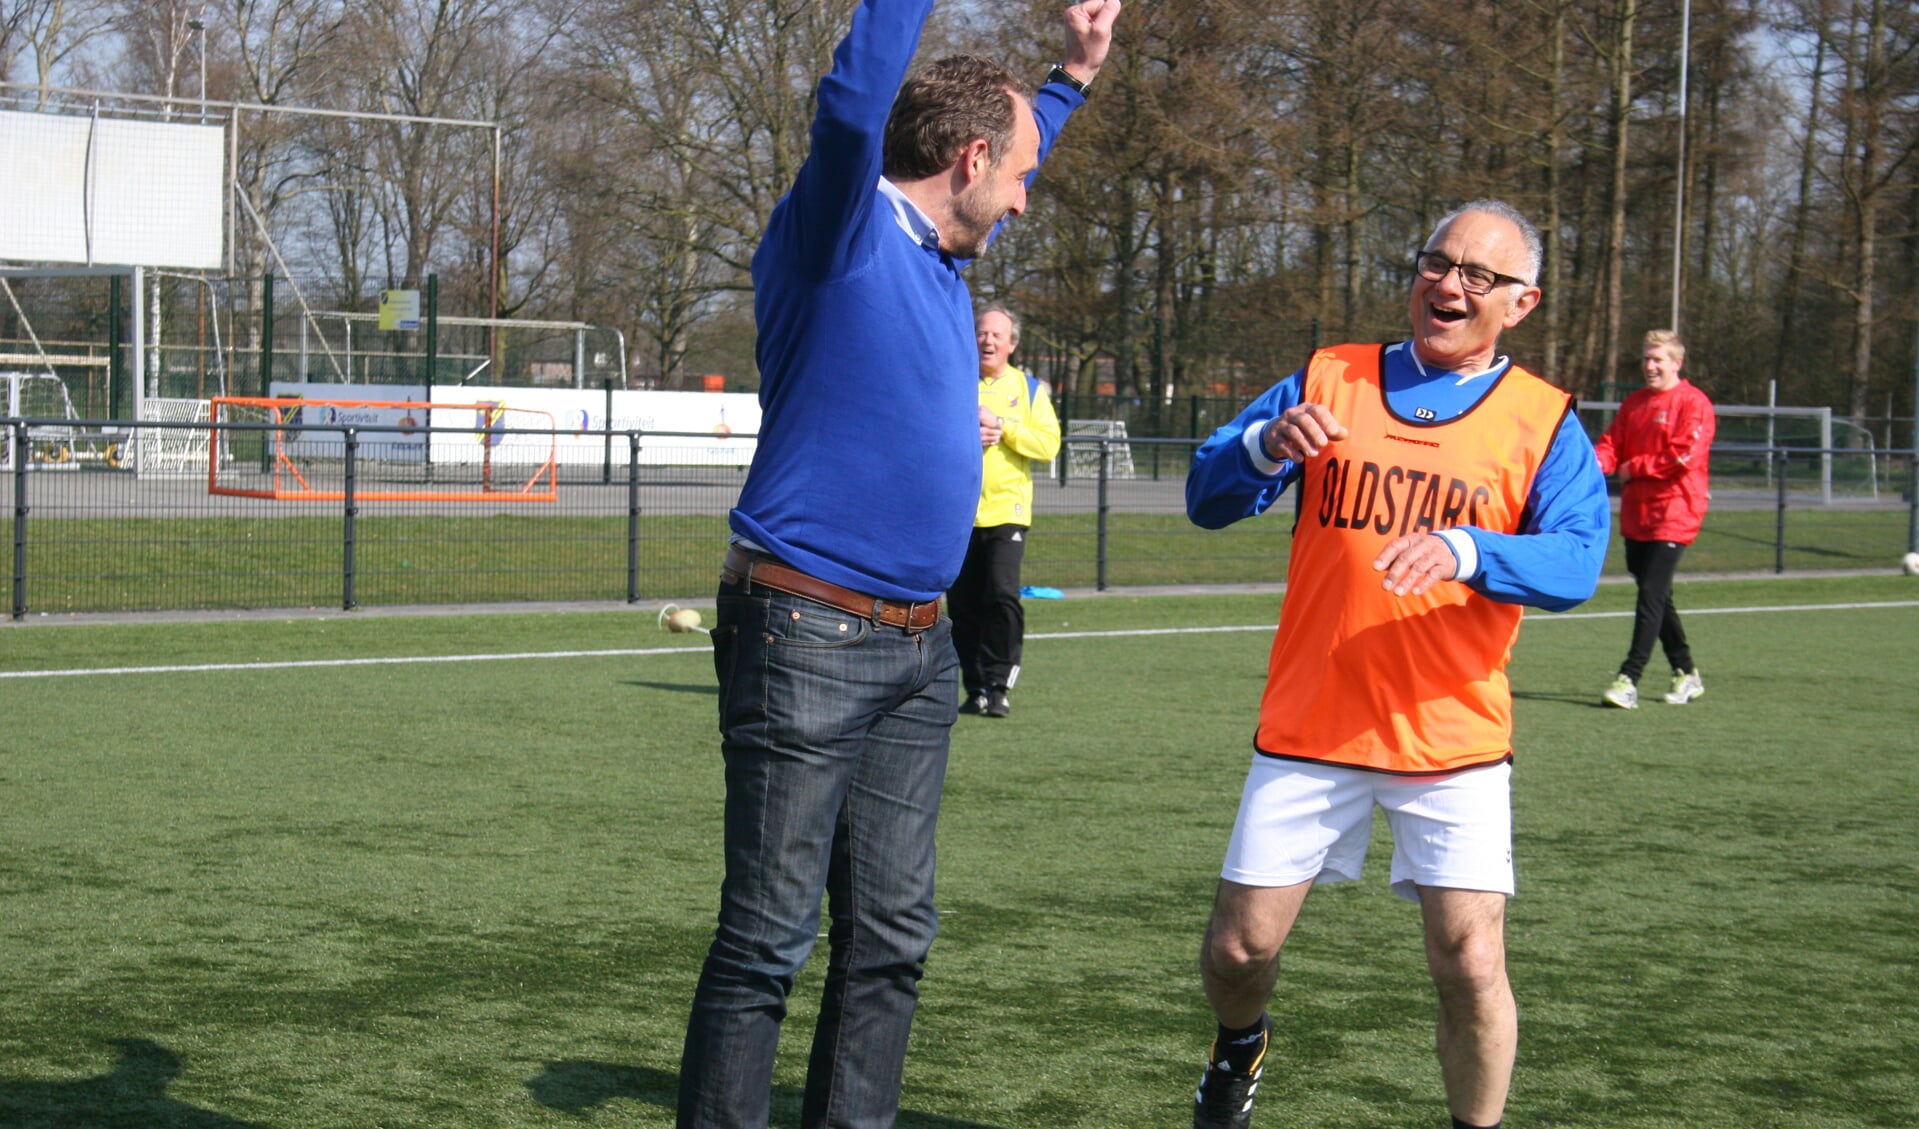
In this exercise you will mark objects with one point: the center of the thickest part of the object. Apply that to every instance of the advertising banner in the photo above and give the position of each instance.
(405, 445)
(682, 428)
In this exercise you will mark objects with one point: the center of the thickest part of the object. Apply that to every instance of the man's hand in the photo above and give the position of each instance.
(1415, 563)
(1089, 34)
(989, 428)
(1300, 432)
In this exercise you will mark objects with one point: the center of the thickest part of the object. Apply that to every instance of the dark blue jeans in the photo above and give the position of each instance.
(834, 732)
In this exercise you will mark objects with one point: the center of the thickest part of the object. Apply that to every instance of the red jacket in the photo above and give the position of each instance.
(1660, 441)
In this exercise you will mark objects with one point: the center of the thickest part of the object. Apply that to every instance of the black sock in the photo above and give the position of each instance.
(1458, 1124)
(1240, 1047)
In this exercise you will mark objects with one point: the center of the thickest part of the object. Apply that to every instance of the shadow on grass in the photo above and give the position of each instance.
(575, 1087)
(1593, 701)
(130, 1096)
(707, 688)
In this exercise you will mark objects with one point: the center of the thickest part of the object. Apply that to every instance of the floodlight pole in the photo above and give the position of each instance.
(493, 255)
(1679, 192)
(200, 28)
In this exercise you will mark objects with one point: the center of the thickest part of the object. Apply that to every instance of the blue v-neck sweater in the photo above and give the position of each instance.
(868, 466)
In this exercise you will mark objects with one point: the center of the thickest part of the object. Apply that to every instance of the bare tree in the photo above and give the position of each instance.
(706, 108)
(51, 40)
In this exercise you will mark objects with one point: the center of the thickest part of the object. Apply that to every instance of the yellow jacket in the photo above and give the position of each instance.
(1029, 433)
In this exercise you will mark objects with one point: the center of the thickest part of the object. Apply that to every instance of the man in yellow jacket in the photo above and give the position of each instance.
(1017, 428)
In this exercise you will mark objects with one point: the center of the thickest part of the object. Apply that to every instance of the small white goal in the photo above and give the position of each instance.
(1082, 458)
(173, 450)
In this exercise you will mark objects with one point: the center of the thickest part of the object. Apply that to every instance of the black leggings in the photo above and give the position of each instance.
(1652, 564)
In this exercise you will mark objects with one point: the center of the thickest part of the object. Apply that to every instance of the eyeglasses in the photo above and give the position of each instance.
(1434, 266)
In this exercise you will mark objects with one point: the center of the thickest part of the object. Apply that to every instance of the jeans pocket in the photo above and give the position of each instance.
(805, 624)
(726, 653)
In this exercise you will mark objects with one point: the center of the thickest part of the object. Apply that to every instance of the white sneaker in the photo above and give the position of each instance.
(1686, 685)
(1622, 693)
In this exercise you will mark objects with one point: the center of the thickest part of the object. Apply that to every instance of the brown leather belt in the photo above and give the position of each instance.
(754, 568)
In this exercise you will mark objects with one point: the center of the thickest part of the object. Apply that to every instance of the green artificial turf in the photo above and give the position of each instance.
(459, 894)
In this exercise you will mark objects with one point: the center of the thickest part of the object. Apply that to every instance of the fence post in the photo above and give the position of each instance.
(632, 517)
(1779, 527)
(266, 335)
(1105, 466)
(17, 439)
(351, 439)
(1912, 493)
(432, 359)
(606, 426)
(116, 376)
(1912, 475)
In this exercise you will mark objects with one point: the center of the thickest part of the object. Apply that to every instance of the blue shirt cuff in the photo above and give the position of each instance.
(1256, 449)
(1461, 543)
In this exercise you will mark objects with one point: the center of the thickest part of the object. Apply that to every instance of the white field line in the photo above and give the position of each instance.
(1531, 617)
(196, 668)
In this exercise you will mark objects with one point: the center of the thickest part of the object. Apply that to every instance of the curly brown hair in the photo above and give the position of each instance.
(943, 106)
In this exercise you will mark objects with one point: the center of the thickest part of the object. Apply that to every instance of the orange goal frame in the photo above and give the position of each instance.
(289, 484)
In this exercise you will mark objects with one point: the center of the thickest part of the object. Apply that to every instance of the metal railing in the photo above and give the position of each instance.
(638, 516)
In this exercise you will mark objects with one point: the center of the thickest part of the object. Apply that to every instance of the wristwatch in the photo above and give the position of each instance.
(1059, 74)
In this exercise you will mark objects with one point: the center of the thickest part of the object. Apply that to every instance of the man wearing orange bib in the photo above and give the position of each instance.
(1441, 489)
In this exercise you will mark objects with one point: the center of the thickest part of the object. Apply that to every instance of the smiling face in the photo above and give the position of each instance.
(1661, 367)
(996, 190)
(1458, 331)
(996, 342)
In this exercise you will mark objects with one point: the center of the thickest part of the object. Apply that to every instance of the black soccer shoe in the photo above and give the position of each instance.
(974, 704)
(997, 705)
(1225, 1096)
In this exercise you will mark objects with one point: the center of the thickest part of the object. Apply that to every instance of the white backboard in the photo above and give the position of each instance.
(102, 191)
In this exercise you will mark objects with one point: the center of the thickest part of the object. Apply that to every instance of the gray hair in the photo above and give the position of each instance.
(1535, 246)
(996, 308)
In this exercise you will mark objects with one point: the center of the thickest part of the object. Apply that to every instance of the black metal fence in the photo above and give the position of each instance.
(112, 516)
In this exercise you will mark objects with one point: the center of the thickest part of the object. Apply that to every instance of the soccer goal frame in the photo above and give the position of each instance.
(508, 455)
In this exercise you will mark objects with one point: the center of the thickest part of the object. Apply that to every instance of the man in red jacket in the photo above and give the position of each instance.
(1659, 444)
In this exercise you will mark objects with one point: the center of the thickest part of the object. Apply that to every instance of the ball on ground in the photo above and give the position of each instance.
(1910, 564)
(682, 621)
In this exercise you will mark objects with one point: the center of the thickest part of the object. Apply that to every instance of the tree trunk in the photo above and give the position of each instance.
(1802, 210)
(1872, 94)
(1616, 241)
(1554, 299)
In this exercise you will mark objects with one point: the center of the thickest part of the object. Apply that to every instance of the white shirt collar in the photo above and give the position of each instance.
(1464, 378)
(908, 215)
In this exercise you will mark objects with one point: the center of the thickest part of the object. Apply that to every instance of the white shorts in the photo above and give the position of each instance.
(1299, 820)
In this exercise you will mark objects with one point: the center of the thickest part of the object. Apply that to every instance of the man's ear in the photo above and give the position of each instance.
(976, 157)
(1522, 305)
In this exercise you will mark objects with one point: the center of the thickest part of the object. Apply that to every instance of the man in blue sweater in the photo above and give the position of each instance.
(838, 679)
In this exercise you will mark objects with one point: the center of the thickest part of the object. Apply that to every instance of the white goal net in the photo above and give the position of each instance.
(1083, 454)
(170, 449)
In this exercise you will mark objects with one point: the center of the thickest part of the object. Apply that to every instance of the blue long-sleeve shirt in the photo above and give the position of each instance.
(868, 466)
(1552, 563)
